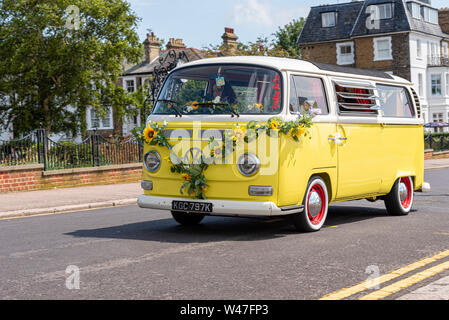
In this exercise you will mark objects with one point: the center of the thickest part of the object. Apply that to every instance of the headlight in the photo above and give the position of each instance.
(152, 161)
(248, 164)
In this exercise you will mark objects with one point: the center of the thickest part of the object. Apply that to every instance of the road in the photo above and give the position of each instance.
(131, 253)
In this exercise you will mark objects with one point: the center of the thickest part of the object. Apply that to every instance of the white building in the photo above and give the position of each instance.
(408, 38)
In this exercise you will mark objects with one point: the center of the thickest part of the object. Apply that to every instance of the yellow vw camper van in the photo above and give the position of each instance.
(263, 136)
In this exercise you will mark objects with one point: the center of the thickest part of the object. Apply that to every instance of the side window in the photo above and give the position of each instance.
(395, 101)
(356, 100)
(307, 93)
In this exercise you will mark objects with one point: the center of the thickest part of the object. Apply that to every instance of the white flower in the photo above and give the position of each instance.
(165, 123)
(217, 99)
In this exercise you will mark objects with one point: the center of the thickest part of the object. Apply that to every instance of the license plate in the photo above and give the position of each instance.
(190, 206)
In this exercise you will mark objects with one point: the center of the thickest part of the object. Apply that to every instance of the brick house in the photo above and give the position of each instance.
(406, 38)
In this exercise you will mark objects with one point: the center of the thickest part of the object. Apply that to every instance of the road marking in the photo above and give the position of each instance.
(437, 290)
(407, 282)
(442, 233)
(346, 292)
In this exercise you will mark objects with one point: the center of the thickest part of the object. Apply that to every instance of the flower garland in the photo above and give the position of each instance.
(194, 180)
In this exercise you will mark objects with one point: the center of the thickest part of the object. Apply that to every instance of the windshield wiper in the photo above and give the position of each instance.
(230, 109)
(174, 106)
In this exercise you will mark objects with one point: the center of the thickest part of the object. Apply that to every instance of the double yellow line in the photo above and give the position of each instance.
(397, 286)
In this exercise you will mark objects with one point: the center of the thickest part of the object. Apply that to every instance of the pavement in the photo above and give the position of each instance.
(54, 201)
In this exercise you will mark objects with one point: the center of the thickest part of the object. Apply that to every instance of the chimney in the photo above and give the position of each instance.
(443, 19)
(175, 44)
(151, 45)
(229, 42)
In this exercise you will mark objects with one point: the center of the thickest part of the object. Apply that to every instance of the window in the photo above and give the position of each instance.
(97, 122)
(395, 101)
(420, 84)
(436, 84)
(385, 11)
(434, 49)
(307, 92)
(445, 50)
(221, 89)
(437, 117)
(345, 53)
(418, 48)
(382, 49)
(430, 15)
(130, 86)
(447, 84)
(355, 98)
(433, 16)
(328, 19)
(415, 10)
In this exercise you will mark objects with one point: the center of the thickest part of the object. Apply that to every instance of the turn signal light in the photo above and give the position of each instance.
(260, 191)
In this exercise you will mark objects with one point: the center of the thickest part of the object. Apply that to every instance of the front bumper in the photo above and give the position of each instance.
(224, 207)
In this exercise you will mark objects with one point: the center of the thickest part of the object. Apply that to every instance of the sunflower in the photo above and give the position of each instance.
(186, 177)
(299, 131)
(274, 125)
(195, 105)
(239, 134)
(149, 134)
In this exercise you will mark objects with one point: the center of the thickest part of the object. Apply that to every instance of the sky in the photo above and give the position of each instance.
(201, 23)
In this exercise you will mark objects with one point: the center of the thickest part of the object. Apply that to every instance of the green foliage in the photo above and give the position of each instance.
(53, 69)
(287, 37)
(283, 45)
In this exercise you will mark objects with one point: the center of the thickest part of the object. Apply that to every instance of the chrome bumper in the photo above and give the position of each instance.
(223, 207)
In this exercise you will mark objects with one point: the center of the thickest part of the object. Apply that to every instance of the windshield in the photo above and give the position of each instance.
(221, 89)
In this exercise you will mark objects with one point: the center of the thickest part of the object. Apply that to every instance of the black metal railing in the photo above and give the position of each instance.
(438, 61)
(440, 143)
(94, 150)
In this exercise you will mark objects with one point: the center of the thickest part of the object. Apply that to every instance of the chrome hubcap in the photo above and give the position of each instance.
(314, 204)
(402, 191)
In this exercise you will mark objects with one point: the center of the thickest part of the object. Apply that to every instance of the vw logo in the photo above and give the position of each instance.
(193, 156)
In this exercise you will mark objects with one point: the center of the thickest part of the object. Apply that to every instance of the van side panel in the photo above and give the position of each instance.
(314, 154)
(359, 160)
(403, 154)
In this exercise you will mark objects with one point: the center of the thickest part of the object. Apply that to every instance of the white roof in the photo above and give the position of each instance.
(287, 64)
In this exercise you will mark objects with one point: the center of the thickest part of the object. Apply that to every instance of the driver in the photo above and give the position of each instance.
(223, 94)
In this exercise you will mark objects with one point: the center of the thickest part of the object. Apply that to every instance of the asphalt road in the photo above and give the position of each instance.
(132, 253)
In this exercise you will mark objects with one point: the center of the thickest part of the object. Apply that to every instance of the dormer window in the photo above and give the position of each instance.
(329, 19)
(385, 11)
(430, 15)
(415, 9)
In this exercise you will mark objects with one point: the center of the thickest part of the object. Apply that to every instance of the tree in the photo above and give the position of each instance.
(283, 45)
(287, 37)
(261, 47)
(59, 57)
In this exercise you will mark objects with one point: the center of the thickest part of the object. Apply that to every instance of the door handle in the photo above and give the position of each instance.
(337, 139)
